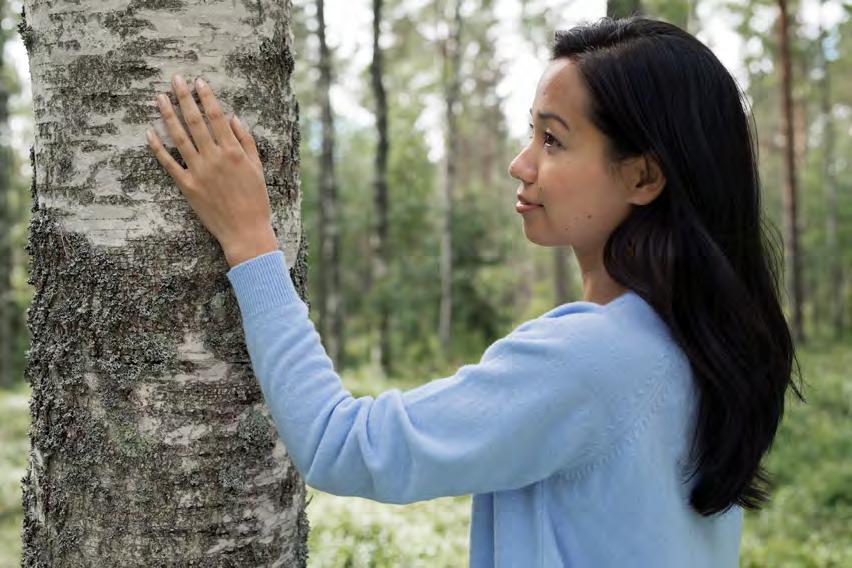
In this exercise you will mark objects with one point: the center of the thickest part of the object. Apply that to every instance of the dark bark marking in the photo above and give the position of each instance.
(27, 34)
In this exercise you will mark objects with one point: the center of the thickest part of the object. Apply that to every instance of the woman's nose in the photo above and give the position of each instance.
(522, 167)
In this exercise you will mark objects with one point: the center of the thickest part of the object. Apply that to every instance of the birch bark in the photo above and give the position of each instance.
(151, 443)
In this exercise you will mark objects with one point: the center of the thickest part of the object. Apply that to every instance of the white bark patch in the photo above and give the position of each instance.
(205, 372)
(95, 406)
(186, 435)
(192, 348)
(221, 546)
(274, 475)
(110, 225)
(37, 465)
(189, 464)
(289, 230)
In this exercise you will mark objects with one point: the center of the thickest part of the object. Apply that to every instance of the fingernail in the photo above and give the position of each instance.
(161, 100)
(178, 81)
(199, 83)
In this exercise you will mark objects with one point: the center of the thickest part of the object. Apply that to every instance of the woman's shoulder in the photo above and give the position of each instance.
(620, 339)
(627, 317)
(629, 305)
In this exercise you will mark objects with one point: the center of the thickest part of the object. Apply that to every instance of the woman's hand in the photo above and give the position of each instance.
(223, 181)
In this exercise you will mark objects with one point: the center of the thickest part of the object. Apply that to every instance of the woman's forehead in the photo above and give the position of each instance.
(560, 89)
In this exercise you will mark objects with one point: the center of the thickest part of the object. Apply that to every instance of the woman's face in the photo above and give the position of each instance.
(564, 168)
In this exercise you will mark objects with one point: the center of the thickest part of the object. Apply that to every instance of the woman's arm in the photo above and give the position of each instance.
(537, 402)
(531, 407)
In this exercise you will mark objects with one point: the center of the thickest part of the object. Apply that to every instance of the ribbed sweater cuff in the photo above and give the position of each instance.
(262, 283)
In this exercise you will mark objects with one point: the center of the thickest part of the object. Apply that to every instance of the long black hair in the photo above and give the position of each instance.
(699, 253)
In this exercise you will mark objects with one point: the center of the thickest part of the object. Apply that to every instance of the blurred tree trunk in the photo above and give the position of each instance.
(829, 185)
(379, 237)
(793, 270)
(151, 444)
(692, 21)
(562, 275)
(8, 311)
(329, 288)
(622, 8)
(451, 49)
(678, 13)
(801, 120)
(800, 61)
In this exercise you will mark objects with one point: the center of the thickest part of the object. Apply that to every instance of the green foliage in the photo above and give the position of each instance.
(14, 445)
(808, 521)
(480, 309)
(355, 532)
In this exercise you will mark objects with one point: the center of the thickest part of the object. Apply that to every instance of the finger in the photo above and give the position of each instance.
(245, 138)
(192, 116)
(213, 110)
(176, 130)
(172, 167)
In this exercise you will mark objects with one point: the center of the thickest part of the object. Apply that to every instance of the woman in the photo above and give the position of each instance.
(625, 429)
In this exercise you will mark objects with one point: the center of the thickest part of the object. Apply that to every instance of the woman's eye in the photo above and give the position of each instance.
(549, 140)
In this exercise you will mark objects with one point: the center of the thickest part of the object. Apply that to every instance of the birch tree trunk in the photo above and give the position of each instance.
(793, 270)
(834, 304)
(151, 443)
(330, 292)
(451, 49)
(379, 234)
(623, 8)
(692, 22)
(562, 275)
(7, 222)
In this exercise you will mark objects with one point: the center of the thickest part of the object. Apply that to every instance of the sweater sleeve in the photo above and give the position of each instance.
(529, 408)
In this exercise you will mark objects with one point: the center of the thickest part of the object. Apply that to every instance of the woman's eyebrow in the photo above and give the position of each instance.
(550, 115)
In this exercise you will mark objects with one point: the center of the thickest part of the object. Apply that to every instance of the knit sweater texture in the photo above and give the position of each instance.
(572, 433)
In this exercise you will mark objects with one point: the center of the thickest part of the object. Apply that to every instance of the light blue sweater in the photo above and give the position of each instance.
(571, 432)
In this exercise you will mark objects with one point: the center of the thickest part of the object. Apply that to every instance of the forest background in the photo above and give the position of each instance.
(417, 259)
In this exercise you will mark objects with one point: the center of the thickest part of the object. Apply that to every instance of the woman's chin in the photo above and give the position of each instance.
(536, 238)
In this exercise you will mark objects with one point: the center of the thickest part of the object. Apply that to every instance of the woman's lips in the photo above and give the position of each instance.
(522, 207)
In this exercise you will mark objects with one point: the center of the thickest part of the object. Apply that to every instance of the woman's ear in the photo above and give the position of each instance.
(644, 178)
